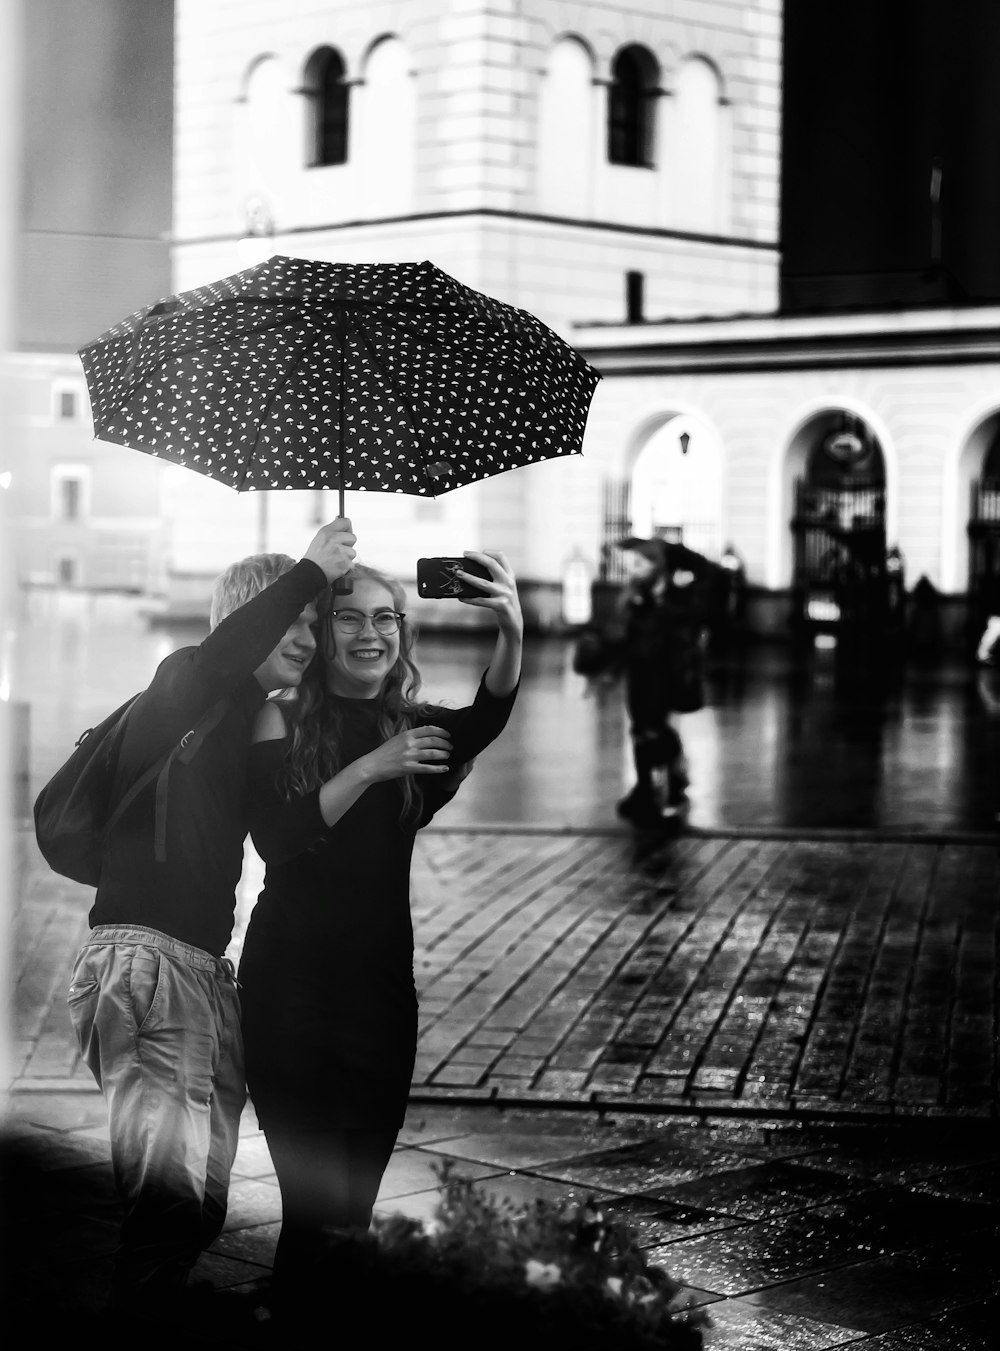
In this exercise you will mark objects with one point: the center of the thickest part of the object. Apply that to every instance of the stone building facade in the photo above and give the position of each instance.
(617, 170)
(582, 161)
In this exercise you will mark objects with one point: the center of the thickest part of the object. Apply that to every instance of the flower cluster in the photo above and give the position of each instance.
(561, 1269)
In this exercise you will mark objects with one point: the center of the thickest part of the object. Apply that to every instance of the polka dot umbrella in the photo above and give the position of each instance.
(382, 377)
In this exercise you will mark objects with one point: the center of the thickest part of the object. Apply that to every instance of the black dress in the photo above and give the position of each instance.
(328, 997)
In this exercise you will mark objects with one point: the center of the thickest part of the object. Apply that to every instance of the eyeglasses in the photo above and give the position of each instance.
(353, 621)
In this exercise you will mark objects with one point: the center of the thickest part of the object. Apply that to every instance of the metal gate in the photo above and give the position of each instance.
(616, 523)
(984, 555)
(839, 542)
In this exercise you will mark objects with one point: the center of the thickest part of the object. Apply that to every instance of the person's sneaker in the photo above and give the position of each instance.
(669, 797)
(639, 809)
(669, 787)
(679, 784)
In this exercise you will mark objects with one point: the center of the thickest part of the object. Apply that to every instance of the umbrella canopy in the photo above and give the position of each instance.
(667, 554)
(384, 377)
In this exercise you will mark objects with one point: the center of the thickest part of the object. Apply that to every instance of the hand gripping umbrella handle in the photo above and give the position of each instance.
(342, 586)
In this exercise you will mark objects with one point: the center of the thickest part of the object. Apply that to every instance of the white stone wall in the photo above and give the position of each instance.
(465, 85)
(927, 418)
(565, 274)
(119, 537)
(468, 188)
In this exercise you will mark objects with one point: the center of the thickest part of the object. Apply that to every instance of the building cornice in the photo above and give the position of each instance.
(794, 342)
(494, 213)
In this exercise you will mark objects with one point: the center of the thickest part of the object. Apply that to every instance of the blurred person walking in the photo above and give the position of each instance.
(662, 656)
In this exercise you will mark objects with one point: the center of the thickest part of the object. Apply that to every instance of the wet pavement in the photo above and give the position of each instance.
(780, 744)
(767, 1040)
(791, 1235)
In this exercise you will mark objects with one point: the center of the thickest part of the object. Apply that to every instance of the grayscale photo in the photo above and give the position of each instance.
(500, 673)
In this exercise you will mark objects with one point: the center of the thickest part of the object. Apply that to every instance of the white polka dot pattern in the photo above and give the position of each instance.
(384, 377)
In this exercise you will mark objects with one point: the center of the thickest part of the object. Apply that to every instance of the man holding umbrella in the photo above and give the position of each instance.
(662, 659)
(153, 998)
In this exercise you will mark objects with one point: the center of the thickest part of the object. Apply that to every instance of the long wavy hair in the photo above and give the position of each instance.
(316, 722)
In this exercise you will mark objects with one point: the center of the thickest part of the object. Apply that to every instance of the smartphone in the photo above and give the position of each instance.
(437, 579)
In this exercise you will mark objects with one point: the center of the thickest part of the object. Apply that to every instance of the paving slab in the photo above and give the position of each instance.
(699, 972)
(771, 1057)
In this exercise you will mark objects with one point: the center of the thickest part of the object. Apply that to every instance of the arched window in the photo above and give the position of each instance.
(386, 113)
(695, 149)
(263, 138)
(631, 103)
(327, 92)
(566, 130)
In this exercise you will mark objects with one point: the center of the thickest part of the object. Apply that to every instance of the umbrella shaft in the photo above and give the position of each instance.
(343, 586)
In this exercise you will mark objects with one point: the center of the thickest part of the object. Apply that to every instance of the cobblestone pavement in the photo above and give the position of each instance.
(772, 1056)
(712, 972)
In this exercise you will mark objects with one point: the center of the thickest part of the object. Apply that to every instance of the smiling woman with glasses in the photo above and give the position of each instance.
(341, 778)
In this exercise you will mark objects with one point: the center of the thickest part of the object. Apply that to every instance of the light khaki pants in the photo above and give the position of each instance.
(158, 1023)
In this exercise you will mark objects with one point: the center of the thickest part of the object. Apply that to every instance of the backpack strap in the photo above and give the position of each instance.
(185, 751)
(188, 746)
(146, 777)
(116, 736)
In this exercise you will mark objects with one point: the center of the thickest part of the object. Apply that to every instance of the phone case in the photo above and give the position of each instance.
(437, 580)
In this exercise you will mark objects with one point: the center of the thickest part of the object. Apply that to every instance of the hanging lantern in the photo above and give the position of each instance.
(845, 448)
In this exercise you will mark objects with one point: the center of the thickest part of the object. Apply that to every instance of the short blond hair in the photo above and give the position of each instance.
(243, 580)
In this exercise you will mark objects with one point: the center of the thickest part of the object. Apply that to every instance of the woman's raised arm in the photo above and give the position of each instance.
(500, 596)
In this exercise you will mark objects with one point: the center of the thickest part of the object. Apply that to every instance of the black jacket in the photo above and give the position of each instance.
(192, 895)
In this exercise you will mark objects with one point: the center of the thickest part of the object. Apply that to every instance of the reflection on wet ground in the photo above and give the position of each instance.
(779, 745)
(779, 1251)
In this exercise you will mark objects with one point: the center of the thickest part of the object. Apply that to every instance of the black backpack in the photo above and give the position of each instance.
(76, 808)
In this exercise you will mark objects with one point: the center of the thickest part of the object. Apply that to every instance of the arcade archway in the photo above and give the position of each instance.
(842, 570)
(677, 486)
(984, 531)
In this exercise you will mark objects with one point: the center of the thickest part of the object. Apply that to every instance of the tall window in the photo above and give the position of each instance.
(70, 499)
(634, 304)
(70, 488)
(566, 131)
(386, 118)
(264, 127)
(631, 101)
(67, 400)
(328, 94)
(695, 148)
